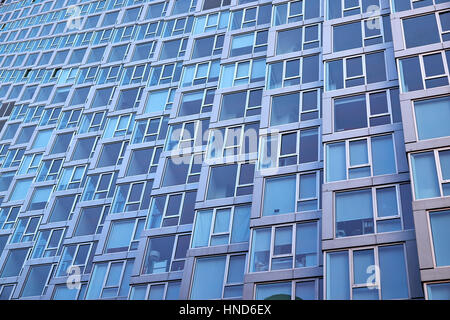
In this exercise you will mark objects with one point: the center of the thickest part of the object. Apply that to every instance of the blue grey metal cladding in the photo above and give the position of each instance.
(224, 149)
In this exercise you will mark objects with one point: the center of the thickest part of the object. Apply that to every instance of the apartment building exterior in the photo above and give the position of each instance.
(224, 149)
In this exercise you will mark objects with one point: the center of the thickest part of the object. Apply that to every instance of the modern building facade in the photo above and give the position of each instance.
(225, 149)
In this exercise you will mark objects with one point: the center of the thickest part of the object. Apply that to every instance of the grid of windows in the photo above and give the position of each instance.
(144, 134)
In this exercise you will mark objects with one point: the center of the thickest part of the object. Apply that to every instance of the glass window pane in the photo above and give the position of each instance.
(208, 278)
(432, 116)
(354, 213)
(394, 284)
(424, 174)
(440, 224)
(279, 195)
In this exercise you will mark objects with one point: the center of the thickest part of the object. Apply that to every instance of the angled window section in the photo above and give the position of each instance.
(10, 131)
(298, 39)
(60, 57)
(92, 122)
(243, 72)
(76, 255)
(40, 198)
(345, 8)
(218, 277)
(355, 71)
(125, 33)
(373, 273)
(166, 254)
(102, 97)
(143, 161)
(49, 170)
(178, 26)
(91, 22)
(109, 74)
(87, 75)
(196, 102)
(119, 125)
(131, 15)
(431, 116)
(286, 108)
(249, 43)
(241, 104)
(96, 54)
(424, 71)
(28, 93)
(380, 209)
(171, 210)
(70, 119)
(14, 262)
(79, 96)
(250, 17)
(182, 170)
(136, 74)
(215, 4)
(438, 291)
(84, 148)
(369, 109)
(364, 33)
(13, 157)
(231, 141)
(173, 49)
(26, 229)
(152, 129)
(289, 148)
(60, 95)
(63, 208)
(187, 135)
(431, 173)
(61, 143)
(129, 98)
(143, 51)
(118, 53)
(3, 150)
(100, 186)
(288, 72)
(132, 196)
(20, 189)
(112, 154)
(110, 18)
(360, 158)
(292, 193)
(439, 222)
(213, 21)
(50, 116)
(209, 46)
(167, 73)
(157, 10)
(149, 30)
(307, 289)
(200, 73)
(221, 226)
(110, 280)
(183, 6)
(295, 11)
(124, 235)
(47, 243)
(230, 180)
(19, 111)
(91, 220)
(72, 178)
(30, 163)
(423, 30)
(284, 247)
(62, 292)
(159, 101)
(8, 217)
